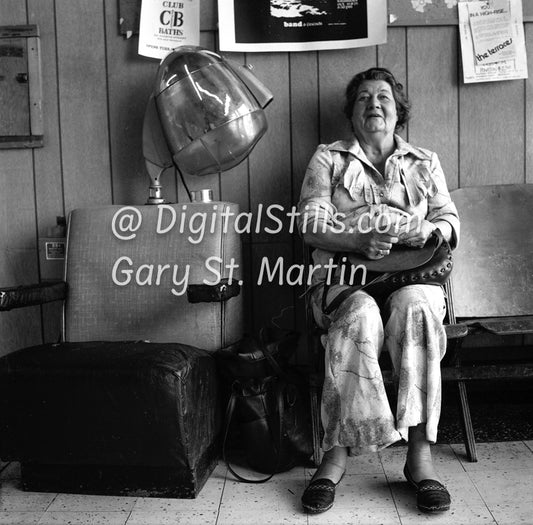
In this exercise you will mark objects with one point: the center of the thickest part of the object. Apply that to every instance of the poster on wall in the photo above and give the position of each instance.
(167, 24)
(301, 25)
(492, 40)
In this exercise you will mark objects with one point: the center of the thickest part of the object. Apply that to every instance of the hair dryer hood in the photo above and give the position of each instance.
(211, 111)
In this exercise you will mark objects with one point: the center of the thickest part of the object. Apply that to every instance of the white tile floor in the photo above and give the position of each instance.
(497, 490)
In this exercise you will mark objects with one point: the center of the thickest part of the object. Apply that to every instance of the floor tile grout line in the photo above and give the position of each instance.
(51, 501)
(47, 513)
(481, 496)
(304, 471)
(393, 499)
(221, 497)
(457, 456)
(390, 489)
(131, 512)
(524, 441)
(467, 472)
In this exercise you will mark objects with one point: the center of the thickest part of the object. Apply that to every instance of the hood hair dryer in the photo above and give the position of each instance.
(205, 115)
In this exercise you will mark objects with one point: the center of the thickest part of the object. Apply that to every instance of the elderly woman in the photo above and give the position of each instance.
(378, 173)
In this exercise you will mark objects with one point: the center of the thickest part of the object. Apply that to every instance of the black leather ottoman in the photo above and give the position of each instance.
(122, 418)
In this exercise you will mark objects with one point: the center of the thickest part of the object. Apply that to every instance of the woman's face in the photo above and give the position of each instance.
(374, 110)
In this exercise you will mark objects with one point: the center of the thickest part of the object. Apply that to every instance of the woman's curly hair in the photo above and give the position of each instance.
(403, 105)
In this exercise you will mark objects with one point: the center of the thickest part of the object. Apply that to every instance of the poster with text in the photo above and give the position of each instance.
(301, 25)
(492, 40)
(167, 24)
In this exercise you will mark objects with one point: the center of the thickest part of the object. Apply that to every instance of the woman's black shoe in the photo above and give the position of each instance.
(431, 495)
(319, 496)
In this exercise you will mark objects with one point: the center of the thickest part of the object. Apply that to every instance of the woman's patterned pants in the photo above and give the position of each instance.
(355, 410)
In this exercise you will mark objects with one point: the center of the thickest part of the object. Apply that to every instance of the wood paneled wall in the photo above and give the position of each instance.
(95, 88)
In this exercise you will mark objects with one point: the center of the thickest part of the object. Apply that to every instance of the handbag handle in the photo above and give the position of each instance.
(230, 411)
(267, 352)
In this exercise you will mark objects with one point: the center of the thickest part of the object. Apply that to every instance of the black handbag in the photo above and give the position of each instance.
(431, 264)
(269, 401)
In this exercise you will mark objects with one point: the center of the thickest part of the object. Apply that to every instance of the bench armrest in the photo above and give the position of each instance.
(456, 331)
(519, 325)
(32, 294)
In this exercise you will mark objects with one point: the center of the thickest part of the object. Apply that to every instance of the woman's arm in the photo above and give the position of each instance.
(441, 209)
(441, 214)
(445, 228)
(368, 243)
(318, 220)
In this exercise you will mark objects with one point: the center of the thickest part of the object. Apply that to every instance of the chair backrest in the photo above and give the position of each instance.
(128, 268)
(493, 265)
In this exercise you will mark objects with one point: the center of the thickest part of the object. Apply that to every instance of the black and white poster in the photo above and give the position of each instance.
(301, 25)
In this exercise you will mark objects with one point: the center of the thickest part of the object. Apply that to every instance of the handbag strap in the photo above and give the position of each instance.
(341, 296)
(230, 411)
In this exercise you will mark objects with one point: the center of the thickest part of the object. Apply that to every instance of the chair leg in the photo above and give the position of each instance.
(315, 422)
(468, 429)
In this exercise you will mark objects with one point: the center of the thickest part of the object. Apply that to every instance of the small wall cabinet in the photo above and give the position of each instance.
(21, 122)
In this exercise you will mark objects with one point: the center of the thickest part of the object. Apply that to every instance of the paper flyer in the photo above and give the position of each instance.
(167, 24)
(301, 25)
(492, 40)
